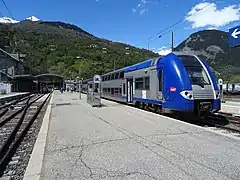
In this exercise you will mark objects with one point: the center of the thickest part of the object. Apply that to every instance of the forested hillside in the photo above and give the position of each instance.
(61, 48)
(56, 47)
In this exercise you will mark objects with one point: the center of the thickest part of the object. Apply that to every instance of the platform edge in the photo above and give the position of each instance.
(34, 167)
(193, 125)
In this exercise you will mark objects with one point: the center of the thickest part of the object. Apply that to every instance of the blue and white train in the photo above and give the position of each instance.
(175, 82)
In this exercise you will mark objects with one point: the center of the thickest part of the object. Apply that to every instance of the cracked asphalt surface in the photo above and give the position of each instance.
(121, 142)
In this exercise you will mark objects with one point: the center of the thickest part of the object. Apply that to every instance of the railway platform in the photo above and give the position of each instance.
(12, 96)
(77, 141)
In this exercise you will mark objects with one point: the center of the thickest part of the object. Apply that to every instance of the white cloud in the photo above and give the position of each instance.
(207, 14)
(141, 7)
(212, 28)
(162, 51)
(142, 11)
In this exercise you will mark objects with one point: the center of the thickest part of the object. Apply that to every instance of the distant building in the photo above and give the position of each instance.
(10, 65)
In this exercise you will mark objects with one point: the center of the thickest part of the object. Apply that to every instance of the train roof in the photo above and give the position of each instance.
(134, 67)
(142, 65)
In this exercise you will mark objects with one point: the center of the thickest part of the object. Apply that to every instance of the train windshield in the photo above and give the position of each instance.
(195, 71)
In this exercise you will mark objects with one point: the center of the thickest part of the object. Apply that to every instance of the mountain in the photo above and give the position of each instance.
(62, 48)
(212, 46)
(67, 26)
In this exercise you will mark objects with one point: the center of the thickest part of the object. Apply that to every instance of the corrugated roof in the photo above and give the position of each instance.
(10, 55)
(48, 74)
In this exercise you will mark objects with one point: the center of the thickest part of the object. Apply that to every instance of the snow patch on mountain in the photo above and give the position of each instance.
(33, 18)
(7, 20)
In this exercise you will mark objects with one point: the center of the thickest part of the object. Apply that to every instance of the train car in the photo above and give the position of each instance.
(177, 82)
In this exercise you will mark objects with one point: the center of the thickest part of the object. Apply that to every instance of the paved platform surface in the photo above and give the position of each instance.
(122, 142)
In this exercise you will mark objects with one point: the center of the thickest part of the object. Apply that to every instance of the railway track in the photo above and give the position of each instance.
(14, 128)
(233, 118)
(224, 121)
(9, 105)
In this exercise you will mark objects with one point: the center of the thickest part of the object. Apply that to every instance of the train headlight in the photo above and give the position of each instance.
(187, 95)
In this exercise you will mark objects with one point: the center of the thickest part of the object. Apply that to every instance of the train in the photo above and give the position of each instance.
(176, 82)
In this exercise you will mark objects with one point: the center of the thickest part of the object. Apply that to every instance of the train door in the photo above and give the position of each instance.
(160, 85)
(129, 90)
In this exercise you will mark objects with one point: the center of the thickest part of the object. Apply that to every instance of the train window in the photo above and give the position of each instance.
(195, 70)
(160, 80)
(197, 76)
(112, 91)
(139, 83)
(117, 75)
(120, 91)
(189, 60)
(116, 91)
(112, 77)
(124, 88)
(121, 75)
(109, 90)
(147, 83)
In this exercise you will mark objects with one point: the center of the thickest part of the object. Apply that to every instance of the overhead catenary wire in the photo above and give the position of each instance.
(166, 45)
(17, 25)
(10, 13)
(181, 20)
(170, 28)
(162, 32)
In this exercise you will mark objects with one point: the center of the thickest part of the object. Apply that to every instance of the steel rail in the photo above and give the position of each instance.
(10, 151)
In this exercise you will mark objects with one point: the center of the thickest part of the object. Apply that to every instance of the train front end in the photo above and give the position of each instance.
(196, 86)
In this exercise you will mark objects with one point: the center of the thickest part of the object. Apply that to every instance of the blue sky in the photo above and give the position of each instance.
(133, 21)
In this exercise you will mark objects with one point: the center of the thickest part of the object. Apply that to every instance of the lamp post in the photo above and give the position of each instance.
(79, 86)
(79, 77)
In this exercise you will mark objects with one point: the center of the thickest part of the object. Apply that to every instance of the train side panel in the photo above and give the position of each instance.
(113, 89)
(144, 85)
